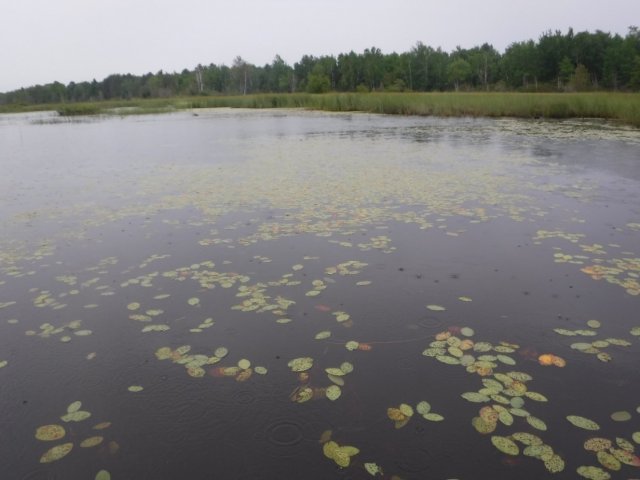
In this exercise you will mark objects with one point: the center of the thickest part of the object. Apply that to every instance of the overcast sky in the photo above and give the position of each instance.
(75, 40)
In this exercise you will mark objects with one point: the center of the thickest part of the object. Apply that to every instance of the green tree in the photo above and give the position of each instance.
(458, 71)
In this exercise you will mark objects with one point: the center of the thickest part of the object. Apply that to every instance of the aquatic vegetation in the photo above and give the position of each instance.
(326, 285)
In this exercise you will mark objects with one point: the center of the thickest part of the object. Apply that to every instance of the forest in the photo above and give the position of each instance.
(556, 62)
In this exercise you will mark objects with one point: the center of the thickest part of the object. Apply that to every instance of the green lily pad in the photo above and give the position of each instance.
(103, 475)
(56, 453)
(436, 308)
(554, 464)
(527, 438)
(333, 392)
(373, 469)
(301, 364)
(433, 417)
(621, 416)
(582, 422)
(322, 335)
(423, 407)
(505, 445)
(593, 473)
(536, 423)
(608, 461)
(475, 397)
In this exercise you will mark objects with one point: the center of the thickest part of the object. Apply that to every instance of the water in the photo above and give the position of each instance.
(135, 231)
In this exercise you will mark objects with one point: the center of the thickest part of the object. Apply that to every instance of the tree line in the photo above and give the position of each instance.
(555, 62)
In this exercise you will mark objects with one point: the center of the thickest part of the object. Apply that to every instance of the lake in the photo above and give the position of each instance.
(276, 294)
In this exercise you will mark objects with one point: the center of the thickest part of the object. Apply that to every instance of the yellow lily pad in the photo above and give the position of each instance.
(334, 371)
(244, 364)
(260, 370)
(56, 453)
(193, 301)
(505, 445)
(322, 335)
(396, 414)
(135, 388)
(49, 433)
(597, 444)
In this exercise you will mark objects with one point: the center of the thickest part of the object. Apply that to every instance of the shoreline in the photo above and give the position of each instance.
(614, 106)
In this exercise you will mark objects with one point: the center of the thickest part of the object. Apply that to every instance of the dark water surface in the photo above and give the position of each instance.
(124, 239)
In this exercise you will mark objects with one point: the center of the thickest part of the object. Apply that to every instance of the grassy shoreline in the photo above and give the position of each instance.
(622, 107)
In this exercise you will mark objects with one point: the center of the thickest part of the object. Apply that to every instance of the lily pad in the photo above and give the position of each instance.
(505, 445)
(322, 335)
(475, 397)
(333, 392)
(103, 475)
(260, 370)
(423, 407)
(56, 453)
(597, 444)
(372, 469)
(536, 423)
(49, 433)
(608, 461)
(593, 473)
(74, 407)
(621, 416)
(555, 464)
(135, 388)
(433, 417)
(78, 416)
(91, 441)
(436, 308)
(582, 422)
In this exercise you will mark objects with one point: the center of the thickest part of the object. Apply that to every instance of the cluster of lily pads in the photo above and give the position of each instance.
(194, 363)
(305, 392)
(476, 357)
(596, 347)
(48, 330)
(403, 413)
(56, 432)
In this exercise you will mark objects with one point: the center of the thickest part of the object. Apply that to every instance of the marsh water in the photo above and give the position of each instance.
(173, 289)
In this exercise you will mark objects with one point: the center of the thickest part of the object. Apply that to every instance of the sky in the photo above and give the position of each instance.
(42, 41)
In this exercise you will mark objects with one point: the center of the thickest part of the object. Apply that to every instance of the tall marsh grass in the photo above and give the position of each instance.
(622, 107)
